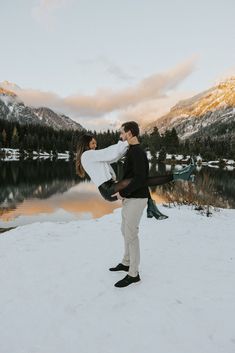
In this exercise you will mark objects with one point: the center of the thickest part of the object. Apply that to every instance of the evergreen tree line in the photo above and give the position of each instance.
(31, 137)
(209, 148)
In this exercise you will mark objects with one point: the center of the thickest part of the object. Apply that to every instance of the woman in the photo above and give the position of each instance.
(96, 163)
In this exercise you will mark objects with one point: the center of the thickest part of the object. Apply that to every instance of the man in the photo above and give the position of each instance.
(134, 200)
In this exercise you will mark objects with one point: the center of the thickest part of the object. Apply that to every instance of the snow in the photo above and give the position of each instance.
(7, 100)
(213, 166)
(57, 294)
(10, 150)
(198, 158)
(168, 167)
(149, 156)
(62, 155)
(179, 157)
(229, 167)
(213, 162)
(13, 154)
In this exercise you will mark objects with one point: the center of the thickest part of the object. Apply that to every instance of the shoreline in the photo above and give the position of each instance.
(3, 230)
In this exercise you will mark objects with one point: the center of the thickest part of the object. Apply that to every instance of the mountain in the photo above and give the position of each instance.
(14, 109)
(10, 86)
(56, 121)
(210, 113)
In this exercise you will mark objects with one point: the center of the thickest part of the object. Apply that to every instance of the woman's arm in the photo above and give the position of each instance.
(109, 154)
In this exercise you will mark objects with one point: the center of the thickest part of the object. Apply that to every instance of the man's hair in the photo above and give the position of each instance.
(131, 126)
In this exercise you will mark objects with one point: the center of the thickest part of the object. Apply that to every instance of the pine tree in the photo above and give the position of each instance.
(4, 138)
(162, 155)
(15, 138)
(174, 141)
(155, 140)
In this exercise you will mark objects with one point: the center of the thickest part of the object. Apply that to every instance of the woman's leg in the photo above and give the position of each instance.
(159, 179)
(153, 211)
(150, 181)
(182, 174)
(111, 187)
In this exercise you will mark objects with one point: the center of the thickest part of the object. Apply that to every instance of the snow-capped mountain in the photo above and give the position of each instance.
(211, 112)
(14, 109)
(10, 86)
(57, 121)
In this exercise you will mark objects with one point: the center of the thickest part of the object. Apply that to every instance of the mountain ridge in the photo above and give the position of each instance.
(202, 114)
(12, 108)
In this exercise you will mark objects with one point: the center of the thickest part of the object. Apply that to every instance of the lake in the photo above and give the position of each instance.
(45, 190)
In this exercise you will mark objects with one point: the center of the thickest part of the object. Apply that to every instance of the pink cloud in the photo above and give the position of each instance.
(148, 99)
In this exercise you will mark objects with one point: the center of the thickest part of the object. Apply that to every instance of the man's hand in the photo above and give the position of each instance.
(118, 196)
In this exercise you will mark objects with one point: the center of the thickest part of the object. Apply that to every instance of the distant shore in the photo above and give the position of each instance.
(13, 154)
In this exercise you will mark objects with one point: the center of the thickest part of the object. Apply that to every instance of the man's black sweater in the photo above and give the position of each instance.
(136, 166)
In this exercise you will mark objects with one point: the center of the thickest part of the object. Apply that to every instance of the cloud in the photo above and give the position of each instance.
(109, 67)
(44, 11)
(152, 87)
(100, 124)
(148, 98)
(116, 71)
(149, 111)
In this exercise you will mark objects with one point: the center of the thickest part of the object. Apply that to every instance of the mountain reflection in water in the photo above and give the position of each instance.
(44, 190)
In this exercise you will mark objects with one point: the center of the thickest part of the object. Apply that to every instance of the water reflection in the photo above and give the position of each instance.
(45, 190)
(213, 186)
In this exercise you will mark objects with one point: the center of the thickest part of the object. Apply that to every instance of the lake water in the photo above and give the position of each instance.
(45, 190)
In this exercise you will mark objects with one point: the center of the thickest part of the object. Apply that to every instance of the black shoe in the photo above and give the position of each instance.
(120, 267)
(127, 280)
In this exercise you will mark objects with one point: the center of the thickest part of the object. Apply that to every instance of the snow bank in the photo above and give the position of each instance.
(57, 295)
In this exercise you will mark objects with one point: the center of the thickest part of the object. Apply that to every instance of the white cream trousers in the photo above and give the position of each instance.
(132, 210)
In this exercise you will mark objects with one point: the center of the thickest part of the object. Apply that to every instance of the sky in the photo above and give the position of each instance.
(108, 61)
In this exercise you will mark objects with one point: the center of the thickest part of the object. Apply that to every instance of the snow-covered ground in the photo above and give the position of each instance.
(57, 295)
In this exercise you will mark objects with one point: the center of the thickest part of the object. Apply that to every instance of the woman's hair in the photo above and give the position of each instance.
(83, 145)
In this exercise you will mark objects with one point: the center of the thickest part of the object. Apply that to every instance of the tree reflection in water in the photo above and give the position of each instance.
(20, 180)
(215, 187)
(43, 180)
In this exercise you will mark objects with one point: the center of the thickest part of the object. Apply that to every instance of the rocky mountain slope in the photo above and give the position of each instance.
(210, 113)
(13, 109)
